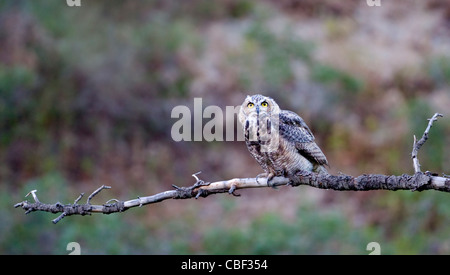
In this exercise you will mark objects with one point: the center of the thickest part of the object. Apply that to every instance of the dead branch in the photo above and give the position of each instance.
(418, 144)
(418, 182)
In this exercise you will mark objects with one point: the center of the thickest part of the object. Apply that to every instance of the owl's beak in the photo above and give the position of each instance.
(257, 110)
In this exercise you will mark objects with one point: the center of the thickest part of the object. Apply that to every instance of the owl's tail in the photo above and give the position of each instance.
(320, 169)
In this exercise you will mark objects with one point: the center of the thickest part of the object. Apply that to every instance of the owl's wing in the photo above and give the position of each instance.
(294, 129)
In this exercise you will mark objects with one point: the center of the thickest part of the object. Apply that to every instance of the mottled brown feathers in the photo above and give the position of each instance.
(279, 140)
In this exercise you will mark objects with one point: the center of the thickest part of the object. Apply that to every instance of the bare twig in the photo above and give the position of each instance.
(79, 198)
(418, 144)
(33, 193)
(96, 192)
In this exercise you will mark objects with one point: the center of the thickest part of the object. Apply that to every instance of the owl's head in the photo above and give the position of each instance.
(258, 105)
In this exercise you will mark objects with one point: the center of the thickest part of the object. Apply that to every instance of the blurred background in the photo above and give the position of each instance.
(86, 95)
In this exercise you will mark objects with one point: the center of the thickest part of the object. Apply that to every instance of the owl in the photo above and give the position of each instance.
(279, 140)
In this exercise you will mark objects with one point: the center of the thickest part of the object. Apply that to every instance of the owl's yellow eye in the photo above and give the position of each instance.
(250, 105)
(264, 104)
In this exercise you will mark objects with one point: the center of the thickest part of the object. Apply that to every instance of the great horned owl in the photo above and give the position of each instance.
(279, 140)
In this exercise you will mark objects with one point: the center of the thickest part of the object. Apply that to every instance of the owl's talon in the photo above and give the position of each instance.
(263, 175)
(232, 189)
(269, 179)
